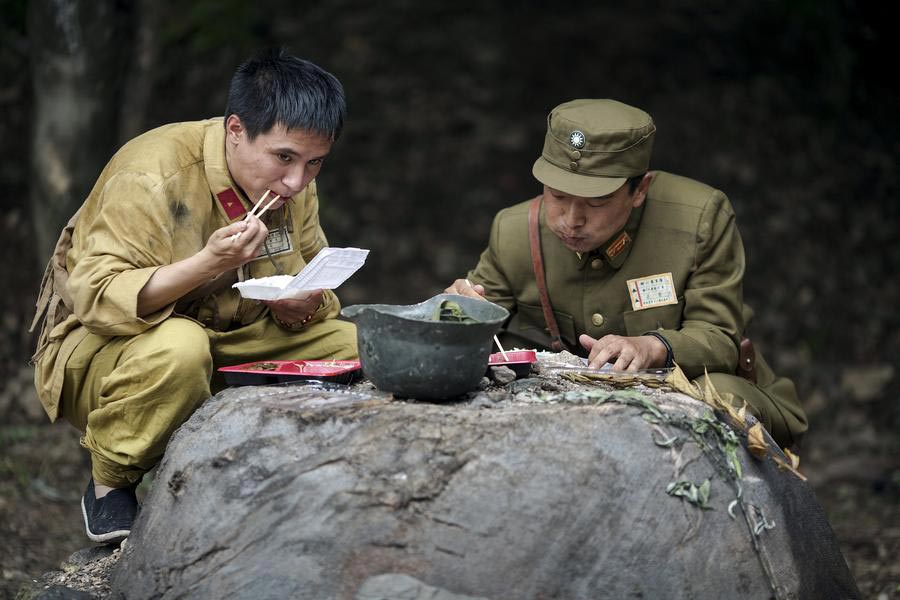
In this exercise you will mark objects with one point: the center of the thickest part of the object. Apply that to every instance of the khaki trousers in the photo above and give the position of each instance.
(128, 394)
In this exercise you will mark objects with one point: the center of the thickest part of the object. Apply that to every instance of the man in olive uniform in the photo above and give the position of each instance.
(638, 268)
(137, 302)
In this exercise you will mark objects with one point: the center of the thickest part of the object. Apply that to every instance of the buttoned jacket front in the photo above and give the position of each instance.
(684, 228)
(157, 202)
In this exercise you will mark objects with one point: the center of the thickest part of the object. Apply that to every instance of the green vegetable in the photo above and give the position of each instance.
(448, 310)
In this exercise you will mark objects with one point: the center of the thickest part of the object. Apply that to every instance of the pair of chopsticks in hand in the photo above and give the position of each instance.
(274, 199)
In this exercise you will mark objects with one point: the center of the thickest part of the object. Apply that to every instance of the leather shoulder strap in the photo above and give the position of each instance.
(537, 261)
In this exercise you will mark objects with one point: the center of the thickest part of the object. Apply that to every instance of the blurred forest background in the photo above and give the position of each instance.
(789, 106)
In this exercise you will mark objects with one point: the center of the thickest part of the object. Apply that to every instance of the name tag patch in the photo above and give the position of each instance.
(655, 290)
(277, 242)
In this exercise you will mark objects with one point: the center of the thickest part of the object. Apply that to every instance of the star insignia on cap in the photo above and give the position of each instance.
(576, 138)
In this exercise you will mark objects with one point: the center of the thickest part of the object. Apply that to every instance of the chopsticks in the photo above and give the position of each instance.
(502, 351)
(274, 199)
(496, 339)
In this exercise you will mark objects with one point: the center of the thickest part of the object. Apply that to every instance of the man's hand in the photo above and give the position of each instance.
(629, 353)
(293, 311)
(463, 287)
(227, 252)
(171, 282)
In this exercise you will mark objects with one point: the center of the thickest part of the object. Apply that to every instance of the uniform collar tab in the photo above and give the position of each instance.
(232, 203)
(615, 252)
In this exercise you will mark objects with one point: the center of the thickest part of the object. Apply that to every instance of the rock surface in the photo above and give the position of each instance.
(312, 493)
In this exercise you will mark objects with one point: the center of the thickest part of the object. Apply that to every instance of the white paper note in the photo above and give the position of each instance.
(329, 269)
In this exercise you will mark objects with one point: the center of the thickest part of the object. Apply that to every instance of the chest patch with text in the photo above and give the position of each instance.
(277, 242)
(654, 290)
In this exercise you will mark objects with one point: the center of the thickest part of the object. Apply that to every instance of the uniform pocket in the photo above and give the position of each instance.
(639, 322)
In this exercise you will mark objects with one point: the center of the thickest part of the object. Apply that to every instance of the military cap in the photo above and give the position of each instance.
(593, 146)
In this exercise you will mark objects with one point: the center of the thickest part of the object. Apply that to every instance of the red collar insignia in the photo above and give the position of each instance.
(617, 246)
(231, 204)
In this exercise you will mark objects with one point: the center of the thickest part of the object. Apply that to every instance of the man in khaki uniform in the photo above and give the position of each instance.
(640, 268)
(137, 302)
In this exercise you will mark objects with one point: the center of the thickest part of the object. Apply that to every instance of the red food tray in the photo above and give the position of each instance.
(264, 372)
(519, 361)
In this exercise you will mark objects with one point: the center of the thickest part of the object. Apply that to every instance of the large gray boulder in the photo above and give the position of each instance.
(293, 492)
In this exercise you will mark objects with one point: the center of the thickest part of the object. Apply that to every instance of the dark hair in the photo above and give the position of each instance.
(276, 87)
(634, 182)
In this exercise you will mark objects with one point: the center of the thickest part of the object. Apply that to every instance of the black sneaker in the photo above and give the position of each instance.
(108, 519)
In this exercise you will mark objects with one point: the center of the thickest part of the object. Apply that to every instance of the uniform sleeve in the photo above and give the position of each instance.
(116, 250)
(489, 271)
(711, 320)
(312, 240)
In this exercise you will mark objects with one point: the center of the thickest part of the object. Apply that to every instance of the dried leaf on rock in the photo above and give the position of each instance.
(733, 461)
(712, 397)
(663, 440)
(699, 496)
(617, 380)
(703, 492)
(679, 382)
(795, 460)
(782, 464)
(756, 442)
(731, 506)
(758, 520)
(710, 393)
(651, 407)
(728, 399)
(583, 396)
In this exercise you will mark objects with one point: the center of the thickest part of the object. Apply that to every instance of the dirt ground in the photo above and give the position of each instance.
(783, 105)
